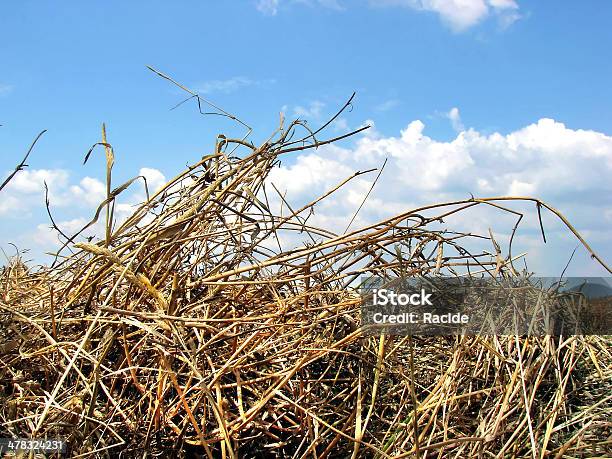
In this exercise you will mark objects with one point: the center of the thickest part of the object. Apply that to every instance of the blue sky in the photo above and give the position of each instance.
(501, 65)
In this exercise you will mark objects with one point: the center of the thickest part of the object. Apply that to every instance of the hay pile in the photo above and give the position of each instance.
(189, 331)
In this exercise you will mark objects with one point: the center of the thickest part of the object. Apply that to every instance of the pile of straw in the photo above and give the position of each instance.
(189, 331)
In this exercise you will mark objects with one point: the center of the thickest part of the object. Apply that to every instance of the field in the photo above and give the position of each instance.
(188, 331)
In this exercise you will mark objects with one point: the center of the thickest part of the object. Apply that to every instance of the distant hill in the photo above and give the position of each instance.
(591, 290)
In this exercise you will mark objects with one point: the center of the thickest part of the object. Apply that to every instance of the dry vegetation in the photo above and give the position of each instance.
(189, 331)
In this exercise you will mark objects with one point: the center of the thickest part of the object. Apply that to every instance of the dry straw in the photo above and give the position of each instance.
(186, 331)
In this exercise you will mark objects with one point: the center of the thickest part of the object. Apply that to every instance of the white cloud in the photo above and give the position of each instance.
(23, 218)
(26, 191)
(155, 178)
(503, 4)
(230, 85)
(90, 190)
(45, 236)
(568, 168)
(267, 6)
(518, 188)
(455, 119)
(309, 172)
(224, 86)
(372, 132)
(9, 204)
(270, 7)
(31, 181)
(311, 112)
(340, 125)
(507, 11)
(461, 14)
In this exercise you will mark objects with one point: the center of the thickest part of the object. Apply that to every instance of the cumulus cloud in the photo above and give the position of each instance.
(461, 14)
(8, 204)
(155, 178)
(45, 236)
(32, 181)
(25, 193)
(543, 157)
(26, 190)
(310, 172)
(89, 190)
(568, 168)
(73, 202)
